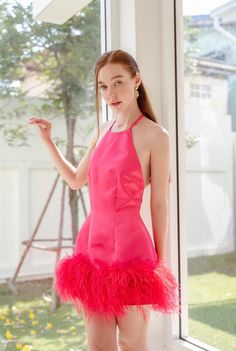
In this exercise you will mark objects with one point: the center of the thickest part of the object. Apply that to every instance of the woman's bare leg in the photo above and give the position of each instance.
(101, 334)
(133, 329)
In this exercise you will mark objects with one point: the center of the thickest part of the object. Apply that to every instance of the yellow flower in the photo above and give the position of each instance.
(8, 322)
(5, 310)
(49, 326)
(35, 322)
(14, 308)
(9, 335)
(33, 332)
(31, 315)
(26, 348)
(18, 346)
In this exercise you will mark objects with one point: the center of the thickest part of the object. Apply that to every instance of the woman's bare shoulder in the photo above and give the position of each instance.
(154, 131)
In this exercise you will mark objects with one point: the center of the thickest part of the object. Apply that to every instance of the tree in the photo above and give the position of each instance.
(61, 55)
(190, 46)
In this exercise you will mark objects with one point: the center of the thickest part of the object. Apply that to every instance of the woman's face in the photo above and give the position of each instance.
(117, 86)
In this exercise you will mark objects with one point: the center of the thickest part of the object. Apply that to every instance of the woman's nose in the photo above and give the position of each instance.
(111, 93)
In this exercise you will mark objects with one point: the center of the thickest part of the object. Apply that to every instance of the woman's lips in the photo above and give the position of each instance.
(116, 104)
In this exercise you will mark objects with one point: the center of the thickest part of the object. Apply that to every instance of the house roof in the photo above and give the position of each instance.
(212, 44)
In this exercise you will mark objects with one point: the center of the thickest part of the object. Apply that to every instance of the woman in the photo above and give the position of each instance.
(116, 275)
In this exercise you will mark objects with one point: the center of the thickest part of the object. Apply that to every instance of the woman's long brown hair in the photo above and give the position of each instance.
(129, 63)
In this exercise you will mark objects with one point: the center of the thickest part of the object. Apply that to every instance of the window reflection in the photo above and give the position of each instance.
(210, 126)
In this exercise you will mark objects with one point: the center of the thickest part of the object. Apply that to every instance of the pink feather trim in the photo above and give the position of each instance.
(109, 289)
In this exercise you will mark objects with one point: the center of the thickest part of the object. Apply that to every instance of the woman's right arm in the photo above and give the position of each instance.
(74, 177)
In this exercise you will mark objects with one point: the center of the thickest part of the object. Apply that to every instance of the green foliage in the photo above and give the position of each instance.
(61, 55)
(190, 46)
(27, 323)
(17, 135)
(191, 140)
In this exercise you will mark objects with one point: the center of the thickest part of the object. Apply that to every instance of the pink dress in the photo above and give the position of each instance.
(114, 263)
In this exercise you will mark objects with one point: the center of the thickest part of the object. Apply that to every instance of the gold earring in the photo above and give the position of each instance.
(136, 92)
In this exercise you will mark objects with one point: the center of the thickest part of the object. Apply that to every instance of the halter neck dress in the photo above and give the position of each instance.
(114, 263)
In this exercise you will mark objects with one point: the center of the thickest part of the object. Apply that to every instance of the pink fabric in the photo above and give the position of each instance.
(114, 262)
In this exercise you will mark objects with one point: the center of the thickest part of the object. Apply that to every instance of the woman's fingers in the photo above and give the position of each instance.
(44, 127)
(39, 120)
(40, 124)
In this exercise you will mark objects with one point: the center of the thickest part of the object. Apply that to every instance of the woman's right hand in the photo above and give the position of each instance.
(44, 128)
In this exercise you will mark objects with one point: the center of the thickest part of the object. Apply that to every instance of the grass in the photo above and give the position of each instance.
(27, 323)
(212, 300)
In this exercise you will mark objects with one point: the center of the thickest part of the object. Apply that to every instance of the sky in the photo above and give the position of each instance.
(200, 7)
(190, 7)
(24, 2)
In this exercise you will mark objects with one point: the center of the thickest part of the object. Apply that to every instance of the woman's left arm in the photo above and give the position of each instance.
(160, 171)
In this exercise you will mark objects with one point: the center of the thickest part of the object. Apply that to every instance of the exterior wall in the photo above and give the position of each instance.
(209, 168)
(26, 177)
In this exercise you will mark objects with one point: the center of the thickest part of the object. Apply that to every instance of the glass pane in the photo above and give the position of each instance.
(46, 71)
(210, 127)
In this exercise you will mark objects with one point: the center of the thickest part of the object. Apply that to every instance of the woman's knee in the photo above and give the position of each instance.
(101, 341)
(100, 345)
(129, 343)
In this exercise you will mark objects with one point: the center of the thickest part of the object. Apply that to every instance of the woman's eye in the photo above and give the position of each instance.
(104, 87)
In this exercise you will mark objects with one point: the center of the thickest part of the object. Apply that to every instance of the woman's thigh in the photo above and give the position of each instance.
(133, 329)
(101, 333)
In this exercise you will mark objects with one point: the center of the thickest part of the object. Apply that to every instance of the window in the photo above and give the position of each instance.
(209, 116)
(200, 90)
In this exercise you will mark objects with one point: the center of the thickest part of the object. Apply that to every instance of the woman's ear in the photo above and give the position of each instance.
(138, 79)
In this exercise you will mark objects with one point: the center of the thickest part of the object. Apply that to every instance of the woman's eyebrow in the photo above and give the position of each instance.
(118, 76)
